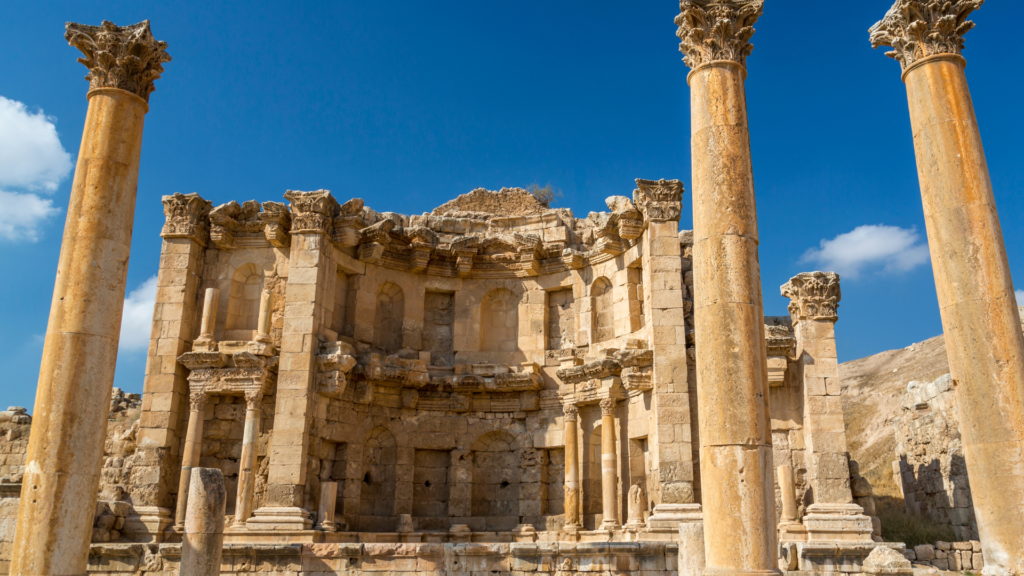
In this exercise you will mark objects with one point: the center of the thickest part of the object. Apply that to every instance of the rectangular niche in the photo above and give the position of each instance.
(556, 482)
(562, 317)
(439, 327)
(430, 489)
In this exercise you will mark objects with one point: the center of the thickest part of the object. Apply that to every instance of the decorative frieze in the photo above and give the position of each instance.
(711, 30)
(187, 216)
(917, 29)
(814, 295)
(123, 57)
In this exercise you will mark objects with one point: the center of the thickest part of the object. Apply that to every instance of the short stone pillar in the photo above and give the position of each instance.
(572, 467)
(691, 549)
(263, 324)
(609, 464)
(328, 502)
(65, 453)
(785, 475)
(247, 463)
(972, 275)
(191, 452)
(735, 431)
(203, 541)
(205, 342)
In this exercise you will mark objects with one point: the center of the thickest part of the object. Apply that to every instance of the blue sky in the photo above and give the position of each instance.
(408, 104)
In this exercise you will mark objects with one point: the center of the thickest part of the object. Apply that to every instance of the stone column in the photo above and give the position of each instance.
(203, 542)
(312, 222)
(205, 342)
(732, 388)
(328, 501)
(609, 465)
(247, 463)
(263, 326)
(191, 452)
(832, 515)
(572, 467)
(972, 276)
(65, 451)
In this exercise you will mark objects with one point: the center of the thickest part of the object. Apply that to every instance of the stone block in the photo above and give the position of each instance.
(925, 552)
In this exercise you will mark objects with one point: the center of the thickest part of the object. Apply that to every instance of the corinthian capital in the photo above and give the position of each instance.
(814, 295)
(659, 200)
(917, 29)
(125, 57)
(312, 211)
(188, 216)
(712, 30)
(570, 412)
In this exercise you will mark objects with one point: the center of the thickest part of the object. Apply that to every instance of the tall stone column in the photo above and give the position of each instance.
(972, 276)
(312, 223)
(732, 387)
(572, 467)
(191, 452)
(832, 516)
(609, 465)
(77, 373)
(247, 463)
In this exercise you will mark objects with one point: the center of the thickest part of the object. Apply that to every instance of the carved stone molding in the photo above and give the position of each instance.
(659, 200)
(712, 30)
(312, 211)
(124, 57)
(608, 407)
(916, 29)
(187, 217)
(814, 295)
(570, 412)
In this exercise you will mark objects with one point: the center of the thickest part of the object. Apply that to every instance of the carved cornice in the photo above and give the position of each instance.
(608, 407)
(814, 295)
(916, 29)
(187, 217)
(780, 341)
(659, 200)
(124, 57)
(712, 30)
(570, 412)
(312, 211)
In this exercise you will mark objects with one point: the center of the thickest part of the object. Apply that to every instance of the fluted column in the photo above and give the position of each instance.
(191, 452)
(247, 463)
(62, 468)
(609, 465)
(972, 276)
(732, 388)
(572, 467)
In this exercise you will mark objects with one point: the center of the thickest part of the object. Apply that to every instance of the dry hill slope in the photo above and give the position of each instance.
(872, 392)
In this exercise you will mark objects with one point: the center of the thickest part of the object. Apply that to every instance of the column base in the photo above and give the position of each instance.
(837, 523)
(279, 518)
(792, 532)
(666, 517)
(147, 523)
(610, 526)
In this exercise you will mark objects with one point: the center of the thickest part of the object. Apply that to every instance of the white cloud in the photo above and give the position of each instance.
(22, 215)
(885, 248)
(31, 159)
(31, 156)
(137, 318)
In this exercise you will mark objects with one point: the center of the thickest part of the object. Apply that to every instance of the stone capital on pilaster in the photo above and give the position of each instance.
(608, 407)
(711, 30)
(814, 295)
(312, 212)
(253, 400)
(197, 401)
(570, 412)
(123, 57)
(188, 216)
(917, 29)
(659, 200)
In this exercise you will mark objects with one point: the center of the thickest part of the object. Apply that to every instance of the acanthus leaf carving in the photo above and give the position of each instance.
(659, 200)
(187, 217)
(711, 30)
(312, 212)
(917, 29)
(814, 295)
(123, 57)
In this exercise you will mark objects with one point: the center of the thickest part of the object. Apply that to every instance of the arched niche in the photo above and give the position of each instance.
(243, 311)
(601, 304)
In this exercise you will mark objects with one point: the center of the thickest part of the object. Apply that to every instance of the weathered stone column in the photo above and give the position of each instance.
(328, 502)
(609, 465)
(191, 452)
(572, 467)
(76, 376)
(788, 490)
(203, 542)
(247, 463)
(833, 515)
(263, 326)
(972, 276)
(205, 342)
(732, 388)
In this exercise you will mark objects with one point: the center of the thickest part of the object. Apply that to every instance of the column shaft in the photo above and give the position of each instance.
(975, 291)
(247, 463)
(609, 463)
(572, 468)
(732, 388)
(190, 454)
(65, 451)
(786, 487)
